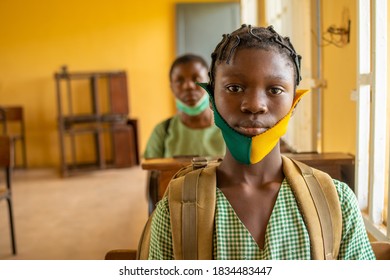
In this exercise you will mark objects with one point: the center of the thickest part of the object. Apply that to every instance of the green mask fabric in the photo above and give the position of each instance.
(195, 110)
(251, 150)
(239, 145)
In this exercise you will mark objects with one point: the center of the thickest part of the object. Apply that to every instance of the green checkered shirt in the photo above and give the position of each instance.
(286, 236)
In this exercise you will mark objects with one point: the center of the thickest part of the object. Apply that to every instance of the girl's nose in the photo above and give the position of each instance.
(254, 102)
(189, 84)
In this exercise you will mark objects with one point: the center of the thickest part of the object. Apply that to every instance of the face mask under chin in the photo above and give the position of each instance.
(251, 150)
(195, 110)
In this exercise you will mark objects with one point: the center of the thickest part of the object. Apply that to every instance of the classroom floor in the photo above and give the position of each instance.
(75, 218)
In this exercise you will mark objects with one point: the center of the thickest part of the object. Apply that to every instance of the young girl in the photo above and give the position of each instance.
(191, 131)
(253, 80)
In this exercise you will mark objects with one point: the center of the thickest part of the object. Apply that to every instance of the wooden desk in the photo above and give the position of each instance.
(339, 166)
(161, 170)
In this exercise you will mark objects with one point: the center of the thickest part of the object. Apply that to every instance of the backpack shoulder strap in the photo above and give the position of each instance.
(319, 204)
(191, 196)
(144, 242)
(192, 208)
(166, 124)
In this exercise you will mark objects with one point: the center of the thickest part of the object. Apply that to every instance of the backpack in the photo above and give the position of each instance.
(192, 197)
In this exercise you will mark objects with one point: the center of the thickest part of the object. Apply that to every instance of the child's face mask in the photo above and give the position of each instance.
(251, 150)
(195, 110)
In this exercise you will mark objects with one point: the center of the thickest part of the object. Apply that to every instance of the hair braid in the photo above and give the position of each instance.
(248, 36)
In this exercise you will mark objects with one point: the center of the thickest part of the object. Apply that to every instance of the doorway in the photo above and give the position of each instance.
(199, 26)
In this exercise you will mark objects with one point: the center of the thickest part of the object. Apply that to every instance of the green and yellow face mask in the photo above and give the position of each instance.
(251, 150)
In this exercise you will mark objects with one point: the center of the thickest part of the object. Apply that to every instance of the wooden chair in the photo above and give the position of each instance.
(6, 163)
(12, 122)
(121, 254)
(381, 250)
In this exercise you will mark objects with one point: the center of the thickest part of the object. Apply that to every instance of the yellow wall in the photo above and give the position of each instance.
(38, 37)
(339, 70)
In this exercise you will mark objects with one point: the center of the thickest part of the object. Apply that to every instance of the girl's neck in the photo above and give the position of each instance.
(203, 120)
(269, 169)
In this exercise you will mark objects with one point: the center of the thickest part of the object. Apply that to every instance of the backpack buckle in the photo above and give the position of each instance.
(199, 162)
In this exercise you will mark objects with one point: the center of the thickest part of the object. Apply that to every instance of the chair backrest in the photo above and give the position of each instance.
(12, 114)
(6, 158)
(3, 120)
(117, 83)
(121, 254)
(381, 250)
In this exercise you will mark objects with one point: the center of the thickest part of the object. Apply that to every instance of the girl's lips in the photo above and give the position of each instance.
(251, 131)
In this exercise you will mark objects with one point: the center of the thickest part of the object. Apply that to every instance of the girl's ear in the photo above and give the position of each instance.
(211, 104)
(170, 86)
(295, 107)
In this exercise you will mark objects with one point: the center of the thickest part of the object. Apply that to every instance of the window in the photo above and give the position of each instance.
(372, 157)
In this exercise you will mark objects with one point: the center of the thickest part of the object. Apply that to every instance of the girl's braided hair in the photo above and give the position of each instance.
(254, 37)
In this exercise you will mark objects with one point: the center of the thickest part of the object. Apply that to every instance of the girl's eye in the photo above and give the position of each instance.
(178, 81)
(197, 79)
(234, 88)
(276, 91)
